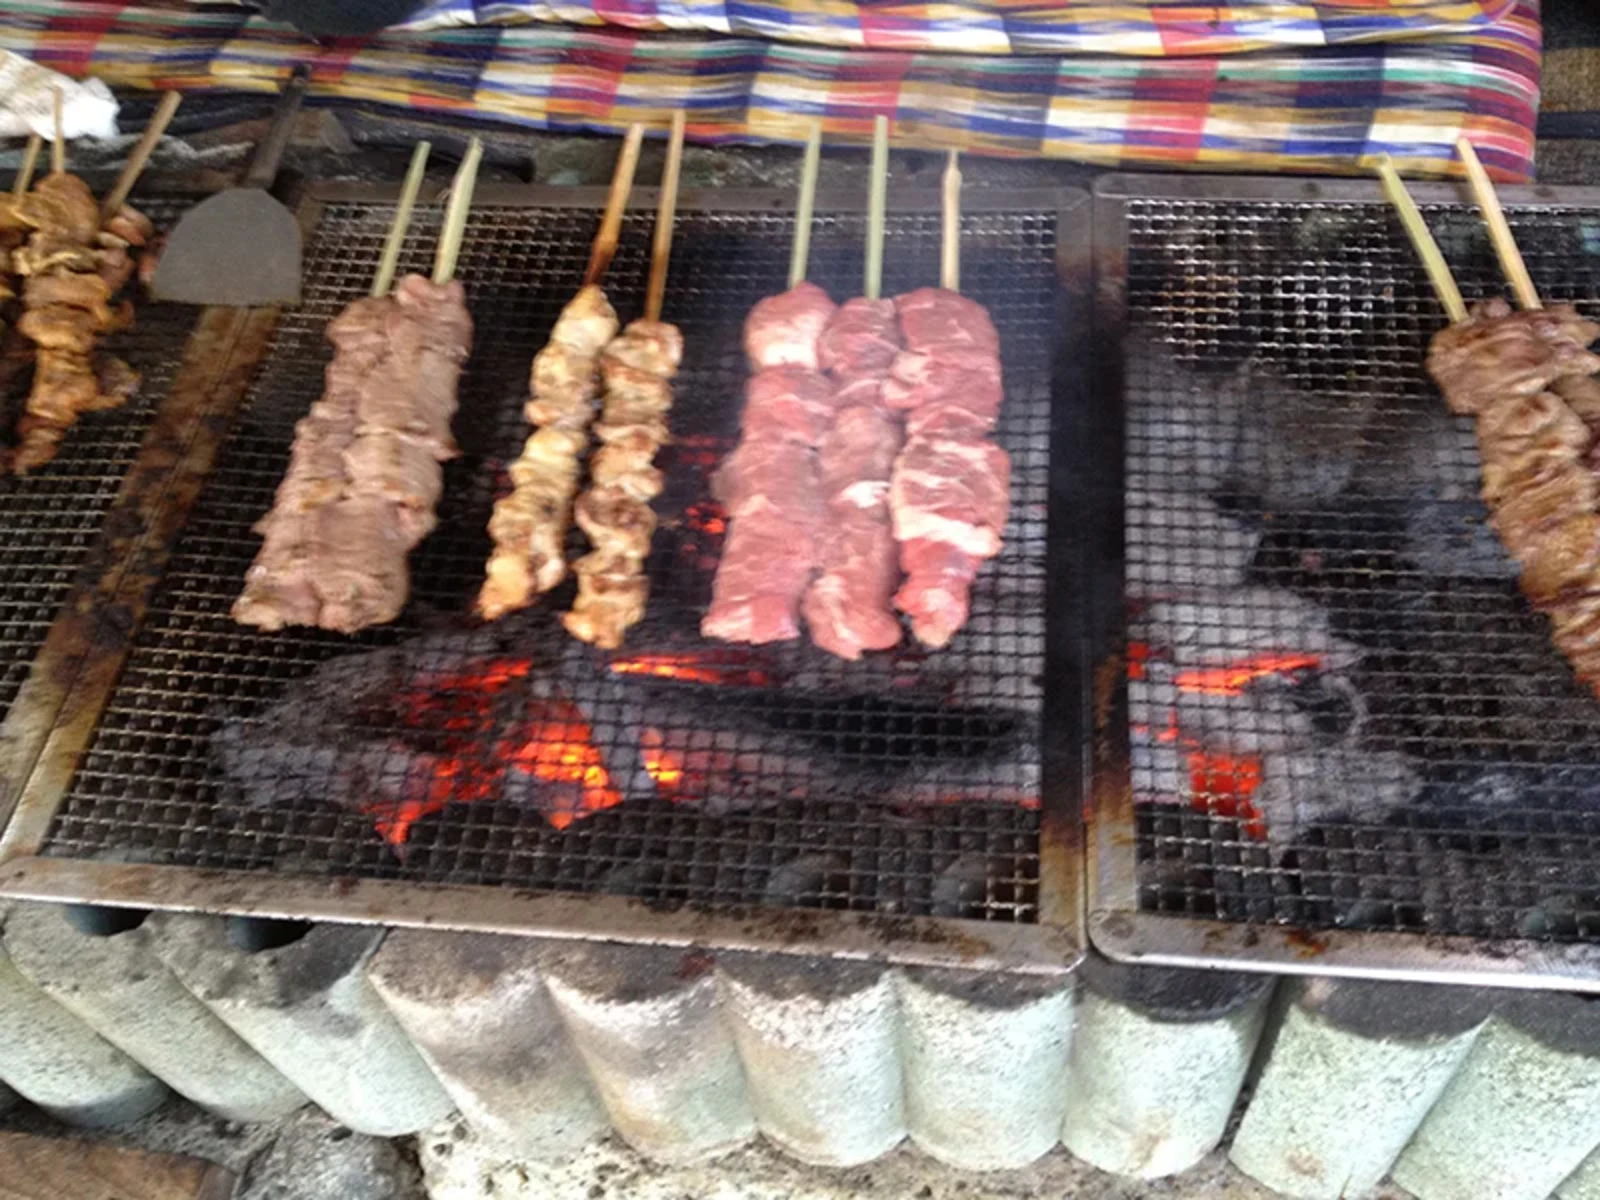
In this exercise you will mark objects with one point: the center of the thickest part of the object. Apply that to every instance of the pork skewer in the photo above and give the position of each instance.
(848, 606)
(951, 488)
(365, 471)
(529, 525)
(637, 366)
(769, 486)
(73, 267)
(1528, 379)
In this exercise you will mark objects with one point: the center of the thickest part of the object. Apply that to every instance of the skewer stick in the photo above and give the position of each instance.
(455, 214)
(877, 197)
(58, 147)
(805, 205)
(1505, 246)
(140, 154)
(605, 242)
(666, 213)
(30, 160)
(384, 279)
(950, 233)
(1444, 284)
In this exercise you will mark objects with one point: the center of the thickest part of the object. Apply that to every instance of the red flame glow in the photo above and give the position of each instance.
(456, 718)
(1232, 679)
(720, 668)
(1220, 784)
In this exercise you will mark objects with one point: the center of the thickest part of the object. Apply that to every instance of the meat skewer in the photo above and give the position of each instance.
(848, 606)
(950, 492)
(769, 486)
(1528, 378)
(637, 367)
(75, 260)
(529, 525)
(365, 471)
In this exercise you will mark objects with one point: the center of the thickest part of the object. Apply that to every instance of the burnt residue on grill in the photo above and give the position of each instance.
(675, 771)
(1340, 713)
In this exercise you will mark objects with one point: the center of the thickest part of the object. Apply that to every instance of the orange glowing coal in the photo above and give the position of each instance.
(1222, 785)
(719, 668)
(459, 721)
(1232, 678)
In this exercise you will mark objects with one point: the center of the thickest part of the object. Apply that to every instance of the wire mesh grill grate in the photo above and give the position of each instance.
(51, 518)
(1342, 714)
(907, 783)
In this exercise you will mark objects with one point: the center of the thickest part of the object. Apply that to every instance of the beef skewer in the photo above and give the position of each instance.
(848, 606)
(637, 366)
(529, 525)
(75, 261)
(769, 486)
(950, 491)
(365, 471)
(1528, 379)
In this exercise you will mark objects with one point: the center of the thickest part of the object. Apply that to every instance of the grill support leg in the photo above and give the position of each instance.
(110, 977)
(1354, 1068)
(477, 1009)
(300, 997)
(1158, 1057)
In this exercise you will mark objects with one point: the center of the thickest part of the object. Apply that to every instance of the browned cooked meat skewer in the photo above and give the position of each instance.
(365, 469)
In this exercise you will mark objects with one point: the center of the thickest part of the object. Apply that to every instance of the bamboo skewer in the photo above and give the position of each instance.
(1505, 245)
(455, 214)
(1444, 284)
(605, 242)
(666, 214)
(950, 226)
(140, 154)
(384, 279)
(30, 162)
(805, 205)
(58, 146)
(877, 197)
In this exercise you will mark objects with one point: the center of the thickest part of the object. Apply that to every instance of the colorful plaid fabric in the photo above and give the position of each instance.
(1160, 28)
(1322, 110)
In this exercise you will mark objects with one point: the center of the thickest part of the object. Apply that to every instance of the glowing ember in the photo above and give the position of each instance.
(664, 766)
(457, 722)
(1232, 679)
(716, 667)
(1222, 785)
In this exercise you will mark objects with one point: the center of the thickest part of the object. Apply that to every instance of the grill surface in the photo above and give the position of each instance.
(50, 518)
(1393, 746)
(890, 786)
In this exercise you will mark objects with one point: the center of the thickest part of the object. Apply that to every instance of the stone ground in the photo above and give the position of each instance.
(308, 1157)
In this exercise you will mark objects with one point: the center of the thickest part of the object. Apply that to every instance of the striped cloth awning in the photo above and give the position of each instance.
(1160, 28)
(1329, 109)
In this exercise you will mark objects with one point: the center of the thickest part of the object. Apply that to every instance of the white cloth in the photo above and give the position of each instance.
(27, 102)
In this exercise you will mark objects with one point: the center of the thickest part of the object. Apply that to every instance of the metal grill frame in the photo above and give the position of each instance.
(1115, 923)
(1051, 945)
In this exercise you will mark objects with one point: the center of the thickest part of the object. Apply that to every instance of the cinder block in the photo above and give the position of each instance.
(101, 964)
(299, 995)
(645, 1021)
(1158, 1056)
(985, 1065)
(1353, 1069)
(1522, 1112)
(476, 1007)
(820, 1043)
(55, 1060)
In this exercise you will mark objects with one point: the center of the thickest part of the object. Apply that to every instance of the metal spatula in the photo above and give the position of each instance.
(240, 247)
